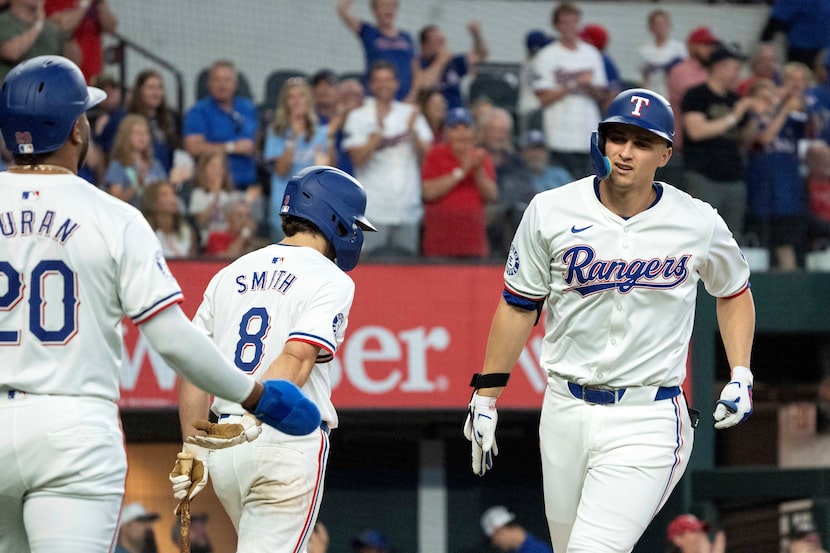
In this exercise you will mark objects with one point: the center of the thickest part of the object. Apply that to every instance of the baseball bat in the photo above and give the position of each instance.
(186, 463)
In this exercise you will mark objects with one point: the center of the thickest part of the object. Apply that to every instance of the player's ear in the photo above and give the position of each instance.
(664, 159)
(77, 133)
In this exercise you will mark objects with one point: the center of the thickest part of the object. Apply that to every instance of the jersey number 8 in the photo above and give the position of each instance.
(244, 358)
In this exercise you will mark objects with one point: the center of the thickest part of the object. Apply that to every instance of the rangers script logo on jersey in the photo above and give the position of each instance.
(589, 275)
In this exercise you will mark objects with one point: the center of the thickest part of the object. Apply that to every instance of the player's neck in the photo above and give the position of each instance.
(626, 203)
(63, 160)
(308, 240)
(46, 168)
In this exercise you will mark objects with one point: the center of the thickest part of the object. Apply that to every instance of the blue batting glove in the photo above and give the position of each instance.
(284, 406)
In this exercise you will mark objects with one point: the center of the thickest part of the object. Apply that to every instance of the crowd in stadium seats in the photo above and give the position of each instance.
(227, 159)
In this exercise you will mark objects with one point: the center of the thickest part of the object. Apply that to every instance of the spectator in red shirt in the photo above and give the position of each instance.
(240, 236)
(457, 180)
(85, 21)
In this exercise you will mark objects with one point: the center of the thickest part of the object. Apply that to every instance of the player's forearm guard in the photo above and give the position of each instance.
(491, 380)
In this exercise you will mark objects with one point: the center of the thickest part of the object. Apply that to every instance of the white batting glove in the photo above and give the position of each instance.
(221, 436)
(735, 403)
(187, 483)
(480, 429)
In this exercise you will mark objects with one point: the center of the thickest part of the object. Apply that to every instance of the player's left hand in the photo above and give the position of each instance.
(480, 429)
(735, 403)
(223, 435)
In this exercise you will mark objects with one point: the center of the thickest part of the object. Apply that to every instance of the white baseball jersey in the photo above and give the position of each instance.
(252, 307)
(657, 58)
(392, 175)
(620, 292)
(568, 121)
(73, 260)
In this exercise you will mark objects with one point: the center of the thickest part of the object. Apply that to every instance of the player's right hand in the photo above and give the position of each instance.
(223, 435)
(480, 429)
(187, 483)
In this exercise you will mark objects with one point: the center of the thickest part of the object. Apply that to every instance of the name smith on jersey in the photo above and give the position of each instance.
(262, 281)
(31, 223)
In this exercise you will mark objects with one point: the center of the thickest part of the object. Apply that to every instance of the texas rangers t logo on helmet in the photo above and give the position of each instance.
(640, 101)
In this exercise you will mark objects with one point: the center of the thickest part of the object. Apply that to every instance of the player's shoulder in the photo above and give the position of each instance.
(679, 199)
(562, 194)
(105, 203)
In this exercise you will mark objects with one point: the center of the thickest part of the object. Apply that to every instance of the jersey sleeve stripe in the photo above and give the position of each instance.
(313, 340)
(517, 300)
(738, 293)
(513, 292)
(162, 304)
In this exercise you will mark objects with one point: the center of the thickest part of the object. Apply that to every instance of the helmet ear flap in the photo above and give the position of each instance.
(602, 165)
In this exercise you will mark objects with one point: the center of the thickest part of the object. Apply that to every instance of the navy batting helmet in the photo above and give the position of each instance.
(639, 107)
(39, 102)
(336, 203)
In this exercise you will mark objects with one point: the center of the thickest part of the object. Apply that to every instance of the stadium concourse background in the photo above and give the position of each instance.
(398, 462)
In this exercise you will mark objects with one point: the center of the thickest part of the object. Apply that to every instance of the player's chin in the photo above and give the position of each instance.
(621, 177)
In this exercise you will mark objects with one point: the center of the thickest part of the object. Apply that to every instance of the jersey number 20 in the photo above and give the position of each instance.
(46, 269)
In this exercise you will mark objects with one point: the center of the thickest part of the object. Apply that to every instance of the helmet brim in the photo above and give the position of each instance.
(636, 122)
(95, 97)
(364, 224)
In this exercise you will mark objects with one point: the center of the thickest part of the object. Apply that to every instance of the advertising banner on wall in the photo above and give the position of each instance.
(416, 334)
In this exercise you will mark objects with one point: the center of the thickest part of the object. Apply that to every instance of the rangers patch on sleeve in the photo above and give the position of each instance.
(512, 266)
(162, 265)
(337, 323)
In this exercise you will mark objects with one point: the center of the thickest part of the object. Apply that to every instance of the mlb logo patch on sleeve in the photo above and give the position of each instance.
(31, 194)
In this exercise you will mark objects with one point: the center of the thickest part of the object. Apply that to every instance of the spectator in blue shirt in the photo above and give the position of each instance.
(534, 152)
(806, 24)
(500, 526)
(385, 42)
(225, 122)
(294, 141)
(442, 70)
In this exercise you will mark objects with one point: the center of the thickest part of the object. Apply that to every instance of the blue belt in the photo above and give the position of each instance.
(606, 396)
(323, 425)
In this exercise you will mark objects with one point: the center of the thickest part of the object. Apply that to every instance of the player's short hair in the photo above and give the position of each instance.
(292, 225)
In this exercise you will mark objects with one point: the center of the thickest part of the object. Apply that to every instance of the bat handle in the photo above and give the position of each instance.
(186, 464)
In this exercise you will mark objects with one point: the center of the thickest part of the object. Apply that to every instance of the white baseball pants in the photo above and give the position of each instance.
(608, 469)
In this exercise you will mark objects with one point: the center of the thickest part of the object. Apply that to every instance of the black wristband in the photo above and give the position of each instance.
(491, 380)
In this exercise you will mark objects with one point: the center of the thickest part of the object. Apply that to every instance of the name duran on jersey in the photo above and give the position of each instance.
(263, 281)
(587, 275)
(30, 223)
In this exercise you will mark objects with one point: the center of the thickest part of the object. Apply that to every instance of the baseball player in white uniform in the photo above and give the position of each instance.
(615, 260)
(73, 262)
(279, 312)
